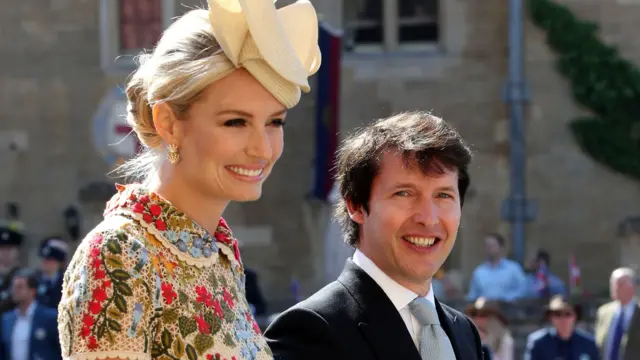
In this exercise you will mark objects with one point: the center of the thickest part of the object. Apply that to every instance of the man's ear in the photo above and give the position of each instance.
(356, 213)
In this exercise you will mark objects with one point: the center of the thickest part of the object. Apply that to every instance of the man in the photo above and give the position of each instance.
(498, 278)
(30, 331)
(10, 241)
(618, 322)
(562, 340)
(402, 184)
(53, 256)
(541, 282)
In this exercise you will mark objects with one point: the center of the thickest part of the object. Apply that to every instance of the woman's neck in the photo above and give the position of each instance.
(199, 207)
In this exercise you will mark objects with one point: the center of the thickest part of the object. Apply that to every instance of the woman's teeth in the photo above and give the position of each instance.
(245, 172)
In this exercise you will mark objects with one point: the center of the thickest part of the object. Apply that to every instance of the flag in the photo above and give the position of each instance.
(542, 276)
(327, 110)
(574, 277)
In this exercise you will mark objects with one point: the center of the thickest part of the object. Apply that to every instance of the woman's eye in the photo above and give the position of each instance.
(235, 122)
(277, 122)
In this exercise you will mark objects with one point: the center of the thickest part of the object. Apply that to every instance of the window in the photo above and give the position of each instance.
(129, 26)
(390, 24)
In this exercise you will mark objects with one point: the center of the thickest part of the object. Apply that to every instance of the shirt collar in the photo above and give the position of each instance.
(627, 308)
(398, 294)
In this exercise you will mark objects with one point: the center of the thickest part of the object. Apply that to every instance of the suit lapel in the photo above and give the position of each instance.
(378, 320)
(447, 321)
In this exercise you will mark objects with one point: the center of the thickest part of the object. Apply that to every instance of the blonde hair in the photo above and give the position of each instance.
(181, 66)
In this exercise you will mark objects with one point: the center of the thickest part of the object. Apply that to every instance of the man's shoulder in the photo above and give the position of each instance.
(330, 299)
(584, 336)
(459, 318)
(606, 307)
(538, 336)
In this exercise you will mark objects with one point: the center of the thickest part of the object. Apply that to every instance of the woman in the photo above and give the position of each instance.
(493, 328)
(161, 276)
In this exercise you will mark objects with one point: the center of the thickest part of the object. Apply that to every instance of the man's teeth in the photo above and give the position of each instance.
(245, 172)
(420, 241)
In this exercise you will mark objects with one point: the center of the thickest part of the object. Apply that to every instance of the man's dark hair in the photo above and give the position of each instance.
(29, 275)
(544, 256)
(423, 140)
(499, 239)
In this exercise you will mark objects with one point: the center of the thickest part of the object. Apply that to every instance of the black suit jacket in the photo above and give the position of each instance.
(352, 318)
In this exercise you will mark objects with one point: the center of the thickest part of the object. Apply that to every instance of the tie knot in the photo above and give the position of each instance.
(424, 311)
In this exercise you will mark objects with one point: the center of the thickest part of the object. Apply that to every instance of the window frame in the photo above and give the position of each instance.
(391, 32)
(111, 60)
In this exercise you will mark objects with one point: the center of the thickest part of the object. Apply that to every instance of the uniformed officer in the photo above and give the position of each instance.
(561, 341)
(10, 242)
(53, 257)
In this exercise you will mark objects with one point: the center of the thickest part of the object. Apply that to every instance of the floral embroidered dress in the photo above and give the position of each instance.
(149, 283)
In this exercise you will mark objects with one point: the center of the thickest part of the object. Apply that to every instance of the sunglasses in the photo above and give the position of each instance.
(562, 313)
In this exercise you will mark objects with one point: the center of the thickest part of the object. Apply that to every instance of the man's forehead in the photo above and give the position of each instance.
(395, 163)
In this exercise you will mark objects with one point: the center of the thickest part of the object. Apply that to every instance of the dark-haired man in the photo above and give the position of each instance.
(402, 183)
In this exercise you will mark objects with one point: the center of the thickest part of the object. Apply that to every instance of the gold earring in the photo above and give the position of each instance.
(172, 154)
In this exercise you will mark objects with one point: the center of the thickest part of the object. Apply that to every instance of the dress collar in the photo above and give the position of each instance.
(184, 237)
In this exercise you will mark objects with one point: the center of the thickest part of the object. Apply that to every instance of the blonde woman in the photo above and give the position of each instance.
(161, 276)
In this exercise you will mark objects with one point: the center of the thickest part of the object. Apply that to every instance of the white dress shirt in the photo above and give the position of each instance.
(21, 336)
(398, 294)
(627, 312)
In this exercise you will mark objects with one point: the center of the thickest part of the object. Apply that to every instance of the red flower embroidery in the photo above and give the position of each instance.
(144, 199)
(87, 320)
(85, 331)
(236, 250)
(100, 274)
(204, 296)
(94, 253)
(96, 241)
(106, 284)
(209, 357)
(138, 208)
(217, 309)
(168, 293)
(93, 343)
(99, 294)
(160, 225)
(96, 263)
(94, 307)
(256, 328)
(155, 209)
(227, 298)
(203, 325)
(147, 218)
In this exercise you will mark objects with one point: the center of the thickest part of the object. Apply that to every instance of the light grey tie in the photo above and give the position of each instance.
(433, 342)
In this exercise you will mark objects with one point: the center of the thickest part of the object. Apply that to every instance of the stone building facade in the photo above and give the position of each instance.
(53, 77)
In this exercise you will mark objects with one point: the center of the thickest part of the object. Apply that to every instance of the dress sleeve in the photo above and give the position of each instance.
(107, 308)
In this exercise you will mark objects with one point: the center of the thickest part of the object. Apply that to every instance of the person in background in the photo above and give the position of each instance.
(10, 242)
(29, 332)
(53, 256)
(617, 324)
(254, 294)
(561, 341)
(498, 278)
(493, 328)
(541, 282)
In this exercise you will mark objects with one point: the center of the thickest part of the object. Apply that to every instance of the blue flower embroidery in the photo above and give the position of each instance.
(172, 236)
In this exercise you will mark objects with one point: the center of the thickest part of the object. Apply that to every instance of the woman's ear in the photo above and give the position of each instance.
(166, 123)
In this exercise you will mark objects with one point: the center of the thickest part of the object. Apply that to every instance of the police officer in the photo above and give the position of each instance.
(10, 242)
(53, 257)
(561, 341)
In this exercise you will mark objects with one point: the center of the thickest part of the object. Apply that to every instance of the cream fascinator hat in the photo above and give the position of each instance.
(278, 47)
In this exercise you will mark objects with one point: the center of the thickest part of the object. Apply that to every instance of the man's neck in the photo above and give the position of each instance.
(564, 336)
(625, 303)
(24, 306)
(495, 261)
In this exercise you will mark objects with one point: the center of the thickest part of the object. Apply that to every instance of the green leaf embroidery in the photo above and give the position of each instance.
(115, 314)
(166, 339)
(114, 247)
(213, 279)
(182, 297)
(228, 340)
(203, 343)
(196, 306)
(215, 323)
(114, 325)
(121, 235)
(170, 316)
(124, 289)
(178, 348)
(121, 303)
(186, 326)
(191, 353)
(120, 275)
(229, 315)
(101, 329)
(113, 262)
